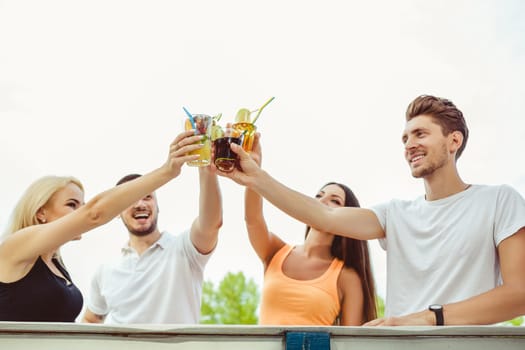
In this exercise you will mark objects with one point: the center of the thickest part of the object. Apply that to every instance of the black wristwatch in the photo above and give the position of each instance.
(438, 311)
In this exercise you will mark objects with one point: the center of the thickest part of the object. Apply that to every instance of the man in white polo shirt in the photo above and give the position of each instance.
(158, 278)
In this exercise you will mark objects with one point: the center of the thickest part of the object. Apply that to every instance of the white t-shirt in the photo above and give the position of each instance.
(444, 251)
(163, 285)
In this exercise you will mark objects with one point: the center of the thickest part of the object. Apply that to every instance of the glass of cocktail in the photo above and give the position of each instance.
(246, 124)
(224, 158)
(202, 124)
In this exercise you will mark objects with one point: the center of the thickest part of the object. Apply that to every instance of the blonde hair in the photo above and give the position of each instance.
(34, 198)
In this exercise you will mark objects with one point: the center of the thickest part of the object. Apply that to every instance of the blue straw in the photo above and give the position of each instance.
(191, 118)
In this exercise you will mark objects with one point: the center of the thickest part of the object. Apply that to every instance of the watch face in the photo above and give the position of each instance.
(438, 311)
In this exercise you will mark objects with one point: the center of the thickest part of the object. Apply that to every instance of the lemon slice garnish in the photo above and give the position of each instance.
(243, 116)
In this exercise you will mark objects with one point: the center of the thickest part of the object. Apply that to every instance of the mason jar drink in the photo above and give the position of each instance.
(203, 125)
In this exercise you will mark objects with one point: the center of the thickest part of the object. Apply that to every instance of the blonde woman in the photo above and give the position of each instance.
(34, 283)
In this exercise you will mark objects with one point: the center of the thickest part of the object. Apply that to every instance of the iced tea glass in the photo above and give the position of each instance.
(225, 158)
(203, 125)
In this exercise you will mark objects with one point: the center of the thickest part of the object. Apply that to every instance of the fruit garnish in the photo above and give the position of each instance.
(216, 132)
(243, 116)
(188, 125)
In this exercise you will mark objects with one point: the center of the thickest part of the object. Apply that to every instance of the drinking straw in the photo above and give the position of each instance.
(191, 118)
(260, 109)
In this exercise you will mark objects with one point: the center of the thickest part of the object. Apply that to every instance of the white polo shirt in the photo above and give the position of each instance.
(163, 285)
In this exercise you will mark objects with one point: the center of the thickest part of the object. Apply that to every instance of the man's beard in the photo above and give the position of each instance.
(143, 231)
(433, 166)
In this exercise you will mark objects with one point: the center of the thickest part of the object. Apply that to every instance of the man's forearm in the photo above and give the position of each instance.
(358, 223)
(303, 208)
(497, 305)
(210, 207)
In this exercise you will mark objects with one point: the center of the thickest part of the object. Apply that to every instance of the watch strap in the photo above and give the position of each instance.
(438, 312)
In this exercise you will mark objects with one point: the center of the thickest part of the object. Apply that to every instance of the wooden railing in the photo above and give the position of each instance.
(64, 336)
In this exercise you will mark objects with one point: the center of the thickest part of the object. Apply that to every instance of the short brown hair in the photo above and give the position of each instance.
(443, 112)
(127, 178)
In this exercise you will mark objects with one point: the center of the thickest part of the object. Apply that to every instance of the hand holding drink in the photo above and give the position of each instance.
(225, 159)
(249, 164)
(248, 170)
(242, 132)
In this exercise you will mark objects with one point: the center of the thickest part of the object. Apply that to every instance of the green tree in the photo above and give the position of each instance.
(234, 301)
(380, 305)
(518, 321)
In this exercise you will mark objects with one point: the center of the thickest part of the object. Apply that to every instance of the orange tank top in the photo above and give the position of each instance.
(286, 301)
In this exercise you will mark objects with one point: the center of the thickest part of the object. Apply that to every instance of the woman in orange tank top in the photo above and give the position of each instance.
(325, 281)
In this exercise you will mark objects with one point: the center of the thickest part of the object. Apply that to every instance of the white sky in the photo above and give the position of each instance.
(95, 89)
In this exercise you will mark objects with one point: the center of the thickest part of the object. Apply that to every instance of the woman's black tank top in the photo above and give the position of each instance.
(40, 296)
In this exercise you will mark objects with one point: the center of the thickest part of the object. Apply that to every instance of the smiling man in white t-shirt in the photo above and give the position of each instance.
(455, 255)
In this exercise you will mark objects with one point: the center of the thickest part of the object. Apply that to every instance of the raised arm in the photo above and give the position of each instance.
(27, 244)
(205, 228)
(265, 243)
(352, 222)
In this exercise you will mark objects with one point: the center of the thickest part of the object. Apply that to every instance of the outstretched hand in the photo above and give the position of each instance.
(424, 318)
(249, 164)
(184, 143)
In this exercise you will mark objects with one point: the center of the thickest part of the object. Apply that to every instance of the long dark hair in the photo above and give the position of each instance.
(354, 253)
